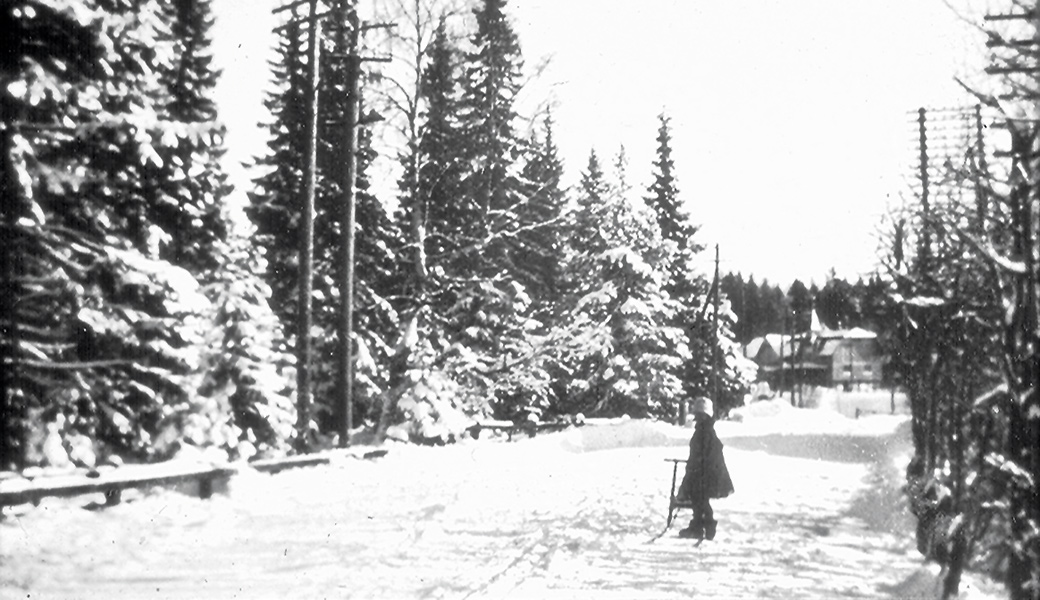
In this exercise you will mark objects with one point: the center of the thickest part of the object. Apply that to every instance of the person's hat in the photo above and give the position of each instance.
(703, 405)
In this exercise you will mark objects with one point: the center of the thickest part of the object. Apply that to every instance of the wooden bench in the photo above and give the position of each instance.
(674, 503)
(112, 483)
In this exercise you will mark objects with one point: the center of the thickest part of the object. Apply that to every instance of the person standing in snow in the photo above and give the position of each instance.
(706, 474)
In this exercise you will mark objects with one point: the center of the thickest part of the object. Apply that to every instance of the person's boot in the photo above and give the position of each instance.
(695, 530)
(709, 529)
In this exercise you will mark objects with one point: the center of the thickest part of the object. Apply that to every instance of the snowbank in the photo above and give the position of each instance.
(769, 421)
(622, 433)
(777, 416)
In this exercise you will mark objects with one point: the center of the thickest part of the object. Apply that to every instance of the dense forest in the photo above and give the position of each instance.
(143, 313)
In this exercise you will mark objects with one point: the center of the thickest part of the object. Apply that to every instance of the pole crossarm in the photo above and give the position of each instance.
(1010, 17)
(290, 6)
(308, 19)
(1012, 70)
(999, 42)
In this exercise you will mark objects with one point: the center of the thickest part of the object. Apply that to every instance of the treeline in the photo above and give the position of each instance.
(143, 314)
(763, 308)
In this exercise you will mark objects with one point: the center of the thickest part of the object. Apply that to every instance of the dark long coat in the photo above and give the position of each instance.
(706, 472)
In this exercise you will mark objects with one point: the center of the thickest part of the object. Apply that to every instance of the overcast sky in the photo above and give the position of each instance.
(790, 117)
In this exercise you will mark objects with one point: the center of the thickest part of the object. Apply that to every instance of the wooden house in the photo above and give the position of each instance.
(823, 357)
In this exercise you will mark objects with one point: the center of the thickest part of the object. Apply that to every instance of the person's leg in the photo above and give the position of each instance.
(709, 521)
(696, 527)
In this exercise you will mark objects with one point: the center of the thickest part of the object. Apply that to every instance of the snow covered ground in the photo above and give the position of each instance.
(817, 514)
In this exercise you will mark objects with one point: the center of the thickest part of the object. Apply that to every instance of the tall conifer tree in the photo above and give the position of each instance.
(274, 206)
(713, 358)
(624, 352)
(540, 237)
(492, 71)
(104, 328)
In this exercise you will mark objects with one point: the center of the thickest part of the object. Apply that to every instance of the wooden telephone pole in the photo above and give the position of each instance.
(349, 41)
(350, 35)
(715, 334)
(305, 285)
(349, 31)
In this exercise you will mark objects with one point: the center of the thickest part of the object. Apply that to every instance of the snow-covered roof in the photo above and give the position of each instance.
(772, 340)
(752, 347)
(856, 333)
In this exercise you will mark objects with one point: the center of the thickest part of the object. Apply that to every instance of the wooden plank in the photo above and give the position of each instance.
(111, 483)
(275, 465)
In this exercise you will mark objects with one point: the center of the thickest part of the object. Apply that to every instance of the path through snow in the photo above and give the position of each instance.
(817, 514)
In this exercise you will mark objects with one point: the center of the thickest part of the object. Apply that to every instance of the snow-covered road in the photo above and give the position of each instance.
(816, 515)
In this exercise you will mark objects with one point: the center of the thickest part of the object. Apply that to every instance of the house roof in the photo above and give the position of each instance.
(856, 333)
(773, 341)
(752, 347)
(829, 347)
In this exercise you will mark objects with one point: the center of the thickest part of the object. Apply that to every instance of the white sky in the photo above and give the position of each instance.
(790, 117)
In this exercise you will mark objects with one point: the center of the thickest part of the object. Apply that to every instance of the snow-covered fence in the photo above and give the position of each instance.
(195, 479)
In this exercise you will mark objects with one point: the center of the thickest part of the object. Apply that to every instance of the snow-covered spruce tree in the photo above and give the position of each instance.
(673, 217)
(97, 326)
(192, 185)
(622, 351)
(242, 363)
(712, 349)
(491, 81)
(491, 317)
(541, 234)
(275, 205)
(247, 367)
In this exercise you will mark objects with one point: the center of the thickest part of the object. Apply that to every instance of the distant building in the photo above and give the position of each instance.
(852, 357)
(825, 357)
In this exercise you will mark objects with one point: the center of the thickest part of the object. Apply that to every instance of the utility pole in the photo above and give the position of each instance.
(715, 334)
(349, 33)
(1014, 60)
(305, 285)
(925, 245)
